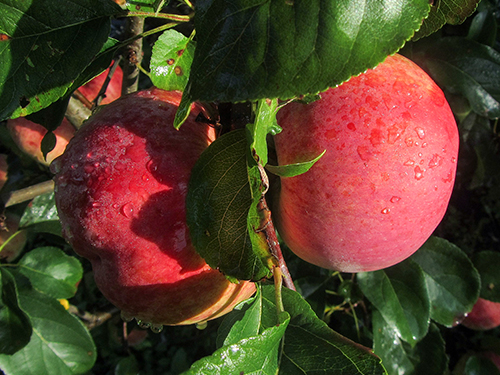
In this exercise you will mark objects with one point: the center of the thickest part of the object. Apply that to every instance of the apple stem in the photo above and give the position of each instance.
(278, 283)
(12, 198)
(134, 27)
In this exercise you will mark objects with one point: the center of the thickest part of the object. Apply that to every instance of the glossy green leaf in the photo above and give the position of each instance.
(476, 365)
(291, 170)
(171, 61)
(256, 354)
(61, 345)
(465, 67)
(41, 215)
(311, 347)
(427, 357)
(443, 12)
(452, 281)
(400, 294)
(265, 123)
(243, 322)
(44, 52)
(51, 271)
(144, 5)
(487, 263)
(221, 209)
(15, 326)
(249, 50)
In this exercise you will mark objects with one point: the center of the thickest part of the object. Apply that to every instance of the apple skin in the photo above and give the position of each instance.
(485, 315)
(28, 137)
(120, 192)
(385, 181)
(91, 89)
(4, 168)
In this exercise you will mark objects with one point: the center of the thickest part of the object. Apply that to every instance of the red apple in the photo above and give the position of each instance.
(91, 89)
(120, 192)
(28, 137)
(4, 168)
(385, 181)
(12, 239)
(484, 315)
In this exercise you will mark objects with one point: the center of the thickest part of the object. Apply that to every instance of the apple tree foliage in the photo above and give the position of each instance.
(240, 57)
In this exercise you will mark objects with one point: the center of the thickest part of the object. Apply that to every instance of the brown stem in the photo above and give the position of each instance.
(135, 27)
(102, 92)
(92, 320)
(26, 194)
(77, 112)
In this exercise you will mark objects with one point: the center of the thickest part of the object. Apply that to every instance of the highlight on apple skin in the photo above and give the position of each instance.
(485, 315)
(386, 178)
(120, 193)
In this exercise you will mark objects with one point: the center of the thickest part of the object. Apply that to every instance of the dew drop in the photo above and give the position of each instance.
(435, 161)
(351, 126)
(419, 173)
(409, 163)
(409, 141)
(453, 160)
(201, 325)
(151, 166)
(127, 210)
(395, 199)
(144, 325)
(96, 204)
(424, 145)
(156, 328)
(386, 210)
(126, 317)
(420, 133)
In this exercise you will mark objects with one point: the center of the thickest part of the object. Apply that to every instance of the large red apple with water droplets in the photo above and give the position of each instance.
(120, 192)
(385, 180)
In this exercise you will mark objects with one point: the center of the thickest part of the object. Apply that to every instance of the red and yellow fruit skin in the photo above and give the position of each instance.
(28, 137)
(385, 181)
(91, 89)
(120, 192)
(485, 315)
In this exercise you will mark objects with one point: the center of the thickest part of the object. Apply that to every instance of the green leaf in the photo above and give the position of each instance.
(242, 322)
(60, 343)
(452, 281)
(427, 357)
(171, 61)
(47, 49)
(51, 271)
(15, 326)
(476, 365)
(463, 66)
(249, 50)
(41, 215)
(453, 12)
(265, 123)
(291, 170)
(152, 6)
(256, 354)
(221, 209)
(487, 263)
(400, 294)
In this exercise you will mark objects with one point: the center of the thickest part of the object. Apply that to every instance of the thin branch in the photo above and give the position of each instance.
(133, 58)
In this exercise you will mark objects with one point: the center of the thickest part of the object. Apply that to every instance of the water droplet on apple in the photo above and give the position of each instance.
(386, 210)
(96, 204)
(127, 210)
(409, 141)
(435, 161)
(453, 160)
(351, 126)
(395, 199)
(201, 325)
(156, 328)
(420, 133)
(151, 166)
(409, 163)
(143, 324)
(419, 173)
(126, 317)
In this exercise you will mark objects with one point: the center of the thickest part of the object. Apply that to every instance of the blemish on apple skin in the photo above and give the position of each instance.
(395, 199)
